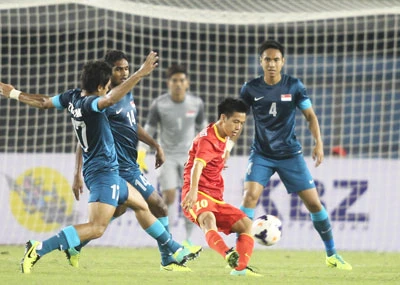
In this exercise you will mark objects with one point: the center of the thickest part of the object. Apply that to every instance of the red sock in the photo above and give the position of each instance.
(244, 246)
(216, 242)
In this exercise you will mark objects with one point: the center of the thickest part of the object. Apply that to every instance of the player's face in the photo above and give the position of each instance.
(233, 124)
(271, 61)
(178, 84)
(120, 72)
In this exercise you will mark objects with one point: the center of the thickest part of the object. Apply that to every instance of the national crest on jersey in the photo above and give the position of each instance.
(190, 113)
(286, 97)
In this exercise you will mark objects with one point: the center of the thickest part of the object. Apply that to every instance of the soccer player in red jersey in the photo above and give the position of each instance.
(203, 188)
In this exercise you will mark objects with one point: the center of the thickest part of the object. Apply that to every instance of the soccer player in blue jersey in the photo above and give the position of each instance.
(273, 98)
(127, 131)
(100, 165)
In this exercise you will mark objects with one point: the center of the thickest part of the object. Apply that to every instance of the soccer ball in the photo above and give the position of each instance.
(267, 230)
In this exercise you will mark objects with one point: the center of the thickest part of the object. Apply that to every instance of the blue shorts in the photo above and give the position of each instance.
(108, 188)
(135, 177)
(292, 171)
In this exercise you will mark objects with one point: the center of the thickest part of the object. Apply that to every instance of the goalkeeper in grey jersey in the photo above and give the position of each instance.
(176, 117)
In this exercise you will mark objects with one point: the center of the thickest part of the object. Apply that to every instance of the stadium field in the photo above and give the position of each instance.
(108, 265)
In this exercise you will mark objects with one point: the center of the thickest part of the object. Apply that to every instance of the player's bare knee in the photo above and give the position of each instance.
(242, 226)
(159, 210)
(250, 198)
(157, 206)
(314, 208)
(207, 220)
(98, 231)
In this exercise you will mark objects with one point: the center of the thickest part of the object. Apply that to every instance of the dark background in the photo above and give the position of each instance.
(350, 67)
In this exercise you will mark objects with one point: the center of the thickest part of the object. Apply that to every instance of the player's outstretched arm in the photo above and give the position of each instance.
(120, 91)
(35, 100)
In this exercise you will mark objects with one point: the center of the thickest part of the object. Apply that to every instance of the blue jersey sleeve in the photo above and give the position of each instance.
(62, 100)
(95, 107)
(56, 102)
(305, 104)
(244, 95)
(302, 100)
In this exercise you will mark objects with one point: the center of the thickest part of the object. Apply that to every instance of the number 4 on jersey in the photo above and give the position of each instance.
(272, 110)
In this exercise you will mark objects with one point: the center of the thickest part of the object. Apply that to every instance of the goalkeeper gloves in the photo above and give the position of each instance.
(141, 161)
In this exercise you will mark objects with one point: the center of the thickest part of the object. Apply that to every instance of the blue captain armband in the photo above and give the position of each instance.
(305, 104)
(56, 102)
(95, 107)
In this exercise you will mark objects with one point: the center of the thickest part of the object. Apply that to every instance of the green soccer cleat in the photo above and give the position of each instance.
(73, 256)
(246, 272)
(30, 256)
(175, 267)
(195, 249)
(183, 255)
(232, 258)
(337, 261)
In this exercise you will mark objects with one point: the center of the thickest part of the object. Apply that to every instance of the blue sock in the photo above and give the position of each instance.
(66, 238)
(165, 222)
(323, 226)
(166, 257)
(248, 211)
(158, 232)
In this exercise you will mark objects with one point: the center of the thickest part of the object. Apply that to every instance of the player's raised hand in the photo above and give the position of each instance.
(5, 89)
(149, 64)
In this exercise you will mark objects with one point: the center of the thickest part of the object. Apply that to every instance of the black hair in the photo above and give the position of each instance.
(95, 73)
(230, 105)
(173, 69)
(271, 44)
(114, 55)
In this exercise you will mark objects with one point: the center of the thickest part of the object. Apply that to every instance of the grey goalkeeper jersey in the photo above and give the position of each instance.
(176, 123)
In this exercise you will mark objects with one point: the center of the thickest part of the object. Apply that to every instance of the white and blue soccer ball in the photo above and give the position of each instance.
(267, 230)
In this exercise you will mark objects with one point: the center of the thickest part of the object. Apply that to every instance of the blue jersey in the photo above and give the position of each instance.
(92, 130)
(122, 118)
(274, 112)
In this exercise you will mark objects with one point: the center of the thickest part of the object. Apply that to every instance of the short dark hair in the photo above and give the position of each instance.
(95, 73)
(175, 68)
(271, 44)
(230, 105)
(114, 55)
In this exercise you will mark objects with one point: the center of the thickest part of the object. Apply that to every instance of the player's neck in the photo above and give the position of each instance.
(178, 98)
(220, 130)
(85, 93)
(272, 80)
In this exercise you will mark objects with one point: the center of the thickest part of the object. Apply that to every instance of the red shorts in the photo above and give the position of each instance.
(225, 214)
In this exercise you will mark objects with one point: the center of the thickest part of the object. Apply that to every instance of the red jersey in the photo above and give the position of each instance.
(209, 148)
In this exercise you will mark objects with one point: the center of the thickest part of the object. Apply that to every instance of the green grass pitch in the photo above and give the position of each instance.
(109, 265)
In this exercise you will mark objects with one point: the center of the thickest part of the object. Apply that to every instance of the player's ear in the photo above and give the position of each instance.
(223, 118)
